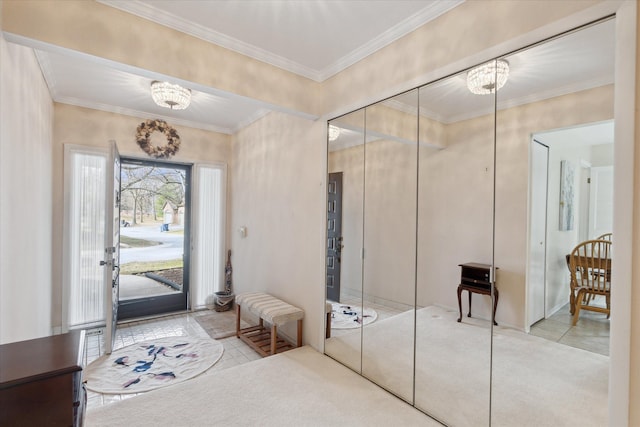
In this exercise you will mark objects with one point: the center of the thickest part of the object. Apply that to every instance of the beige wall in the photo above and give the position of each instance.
(26, 117)
(278, 194)
(93, 128)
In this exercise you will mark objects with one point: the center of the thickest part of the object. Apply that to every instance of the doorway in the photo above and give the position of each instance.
(154, 238)
(587, 151)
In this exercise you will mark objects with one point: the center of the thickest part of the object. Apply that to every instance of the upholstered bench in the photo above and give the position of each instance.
(275, 312)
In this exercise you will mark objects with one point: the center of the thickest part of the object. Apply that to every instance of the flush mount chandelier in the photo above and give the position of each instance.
(334, 132)
(488, 78)
(170, 96)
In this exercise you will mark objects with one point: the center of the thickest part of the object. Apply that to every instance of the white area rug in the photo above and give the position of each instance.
(536, 382)
(300, 387)
(344, 316)
(152, 364)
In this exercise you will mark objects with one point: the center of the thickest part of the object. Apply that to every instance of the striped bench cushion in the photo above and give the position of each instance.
(269, 308)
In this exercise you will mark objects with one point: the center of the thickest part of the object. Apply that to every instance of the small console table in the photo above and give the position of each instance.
(476, 278)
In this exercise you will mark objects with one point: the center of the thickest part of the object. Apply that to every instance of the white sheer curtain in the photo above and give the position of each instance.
(209, 234)
(85, 174)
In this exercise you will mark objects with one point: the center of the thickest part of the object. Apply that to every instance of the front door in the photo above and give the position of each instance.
(111, 260)
(155, 238)
(334, 236)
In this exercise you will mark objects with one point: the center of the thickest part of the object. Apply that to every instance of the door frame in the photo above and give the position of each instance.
(111, 262)
(170, 303)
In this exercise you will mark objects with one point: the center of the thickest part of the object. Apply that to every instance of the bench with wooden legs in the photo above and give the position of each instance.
(273, 311)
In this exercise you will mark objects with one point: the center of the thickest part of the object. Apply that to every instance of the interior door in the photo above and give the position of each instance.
(536, 278)
(334, 236)
(112, 250)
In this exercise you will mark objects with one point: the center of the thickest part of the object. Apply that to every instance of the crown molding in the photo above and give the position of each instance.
(401, 29)
(161, 17)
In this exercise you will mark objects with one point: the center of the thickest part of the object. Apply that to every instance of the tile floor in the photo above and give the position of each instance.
(591, 333)
(235, 351)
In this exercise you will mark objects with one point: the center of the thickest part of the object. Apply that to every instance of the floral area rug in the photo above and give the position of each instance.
(152, 364)
(345, 316)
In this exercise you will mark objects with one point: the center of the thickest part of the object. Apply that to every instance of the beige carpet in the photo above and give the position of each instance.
(536, 382)
(218, 325)
(300, 387)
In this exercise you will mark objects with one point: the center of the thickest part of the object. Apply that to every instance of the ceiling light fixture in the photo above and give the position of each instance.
(334, 132)
(487, 78)
(170, 96)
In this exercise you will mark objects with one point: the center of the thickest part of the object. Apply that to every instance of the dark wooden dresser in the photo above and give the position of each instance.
(476, 278)
(41, 381)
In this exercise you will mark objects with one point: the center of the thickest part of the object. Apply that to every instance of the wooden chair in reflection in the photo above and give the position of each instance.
(590, 267)
(605, 236)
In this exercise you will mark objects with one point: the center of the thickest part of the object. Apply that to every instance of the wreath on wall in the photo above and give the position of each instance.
(144, 132)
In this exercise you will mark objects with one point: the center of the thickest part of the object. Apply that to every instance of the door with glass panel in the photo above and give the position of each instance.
(111, 262)
(154, 227)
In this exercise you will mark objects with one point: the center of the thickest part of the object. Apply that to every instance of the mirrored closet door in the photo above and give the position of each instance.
(554, 163)
(455, 250)
(463, 203)
(391, 160)
(345, 188)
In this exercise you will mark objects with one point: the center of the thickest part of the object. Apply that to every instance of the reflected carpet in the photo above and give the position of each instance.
(152, 364)
(533, 382)
(345, 316)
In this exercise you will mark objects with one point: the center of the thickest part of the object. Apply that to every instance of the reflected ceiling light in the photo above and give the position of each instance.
(170, 96)
(489, 77)
(334, 132)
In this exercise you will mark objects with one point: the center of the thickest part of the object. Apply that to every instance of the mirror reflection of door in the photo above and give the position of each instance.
(536, 274)
(345, 163)
(334, 235)
(589, 148)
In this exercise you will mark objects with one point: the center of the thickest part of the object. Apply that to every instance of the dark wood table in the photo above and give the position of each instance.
(476, 278)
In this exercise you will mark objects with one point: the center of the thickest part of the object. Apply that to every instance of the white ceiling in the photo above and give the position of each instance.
(315, 39)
